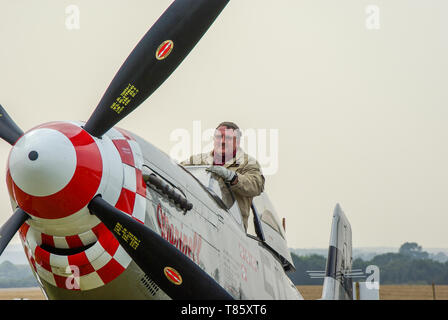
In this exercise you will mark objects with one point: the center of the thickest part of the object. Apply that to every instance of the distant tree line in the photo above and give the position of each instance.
(411, 265)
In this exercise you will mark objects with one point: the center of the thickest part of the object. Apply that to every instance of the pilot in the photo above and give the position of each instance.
(227, 160)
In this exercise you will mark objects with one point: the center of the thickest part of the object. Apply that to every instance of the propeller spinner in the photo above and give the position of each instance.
(54, 170)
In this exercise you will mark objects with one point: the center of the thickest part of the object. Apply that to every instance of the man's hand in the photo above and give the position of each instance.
(228, 175)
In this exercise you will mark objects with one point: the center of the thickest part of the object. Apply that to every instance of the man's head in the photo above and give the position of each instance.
(226, 140)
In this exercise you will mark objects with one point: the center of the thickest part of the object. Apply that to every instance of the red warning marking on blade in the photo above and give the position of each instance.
(172, 275)
(164, 49)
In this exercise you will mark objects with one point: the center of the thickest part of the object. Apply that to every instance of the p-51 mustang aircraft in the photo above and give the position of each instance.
(103, 214)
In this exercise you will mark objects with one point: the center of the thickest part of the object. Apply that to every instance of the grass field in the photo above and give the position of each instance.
(387, 292)
(21, 293)
(390, 292)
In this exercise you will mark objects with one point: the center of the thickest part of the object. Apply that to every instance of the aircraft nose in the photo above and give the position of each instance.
(50, 168)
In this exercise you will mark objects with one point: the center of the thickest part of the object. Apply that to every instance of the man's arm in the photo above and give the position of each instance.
(250, 182)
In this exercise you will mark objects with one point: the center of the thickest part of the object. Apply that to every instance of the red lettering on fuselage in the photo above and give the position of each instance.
(248, 258)
(190, 246)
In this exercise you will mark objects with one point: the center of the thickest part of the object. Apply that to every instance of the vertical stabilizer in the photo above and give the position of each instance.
(338, 283)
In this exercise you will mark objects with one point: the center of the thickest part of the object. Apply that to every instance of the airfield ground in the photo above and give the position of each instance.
(390, 292)
(387, 292)
(21, 293)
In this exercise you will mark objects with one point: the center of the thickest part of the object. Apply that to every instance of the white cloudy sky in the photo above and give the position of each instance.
(361, 113)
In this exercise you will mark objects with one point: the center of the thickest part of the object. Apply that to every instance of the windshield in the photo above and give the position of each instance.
(216, 186)
(212, 183)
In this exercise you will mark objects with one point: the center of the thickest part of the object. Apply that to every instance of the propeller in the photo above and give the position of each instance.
(153, 60)
(9, 131)
(9, 229)
(157, 257)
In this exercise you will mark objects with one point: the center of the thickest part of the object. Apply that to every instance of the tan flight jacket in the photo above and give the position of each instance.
(250, 178)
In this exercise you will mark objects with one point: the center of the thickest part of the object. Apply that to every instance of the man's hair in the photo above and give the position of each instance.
(230, 125)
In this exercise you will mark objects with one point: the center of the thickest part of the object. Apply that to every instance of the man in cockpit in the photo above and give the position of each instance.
(228, 161)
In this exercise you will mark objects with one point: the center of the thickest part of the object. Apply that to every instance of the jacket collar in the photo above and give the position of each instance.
(239, 159)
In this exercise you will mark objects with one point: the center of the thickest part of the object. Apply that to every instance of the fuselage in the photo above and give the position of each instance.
(76, 257)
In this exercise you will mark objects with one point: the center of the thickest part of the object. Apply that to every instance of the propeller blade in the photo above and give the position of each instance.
(9, 131)
(153, 60)
(9, 229)
(176, 274)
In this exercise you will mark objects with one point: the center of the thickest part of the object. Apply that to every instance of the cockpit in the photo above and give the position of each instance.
(263, 225)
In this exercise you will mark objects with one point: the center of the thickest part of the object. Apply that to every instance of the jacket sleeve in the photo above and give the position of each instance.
(250, 181)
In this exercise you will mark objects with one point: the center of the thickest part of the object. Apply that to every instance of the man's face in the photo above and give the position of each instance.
(225, 142)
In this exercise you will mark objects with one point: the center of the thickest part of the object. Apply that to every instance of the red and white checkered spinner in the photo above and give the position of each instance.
(53, 172)
(55, 169)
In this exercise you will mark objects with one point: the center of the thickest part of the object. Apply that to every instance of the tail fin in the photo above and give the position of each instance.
(338, 284)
